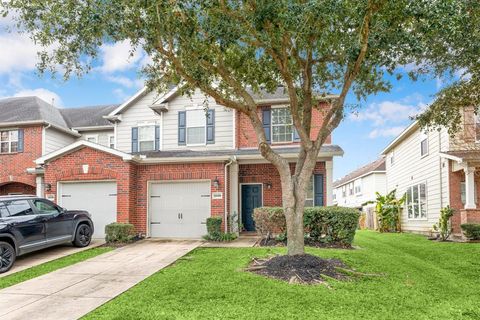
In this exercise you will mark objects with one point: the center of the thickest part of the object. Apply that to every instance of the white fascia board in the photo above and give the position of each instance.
(405, 133)
(94, 128)
(361, 176)
(79, 144)
(124, 105)
(451, 157)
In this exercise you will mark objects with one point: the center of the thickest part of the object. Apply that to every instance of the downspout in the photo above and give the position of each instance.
(440, 164)
(232, 160)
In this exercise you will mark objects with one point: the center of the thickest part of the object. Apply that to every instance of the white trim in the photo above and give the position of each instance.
(405, 207)
(240, 216)
(424, 137)
(150, 182)
(451, 157)
(79, 144)
(44, 139)
(93, 128)
(361, 176)
(142, 125)
(124, 105)
(283, 106)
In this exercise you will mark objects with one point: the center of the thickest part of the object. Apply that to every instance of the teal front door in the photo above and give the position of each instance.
(251, 199)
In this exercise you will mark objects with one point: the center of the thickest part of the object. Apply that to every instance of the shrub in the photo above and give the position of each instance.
(214, 229)
(269, 221)
(444, 227)
(119, 232)
(331, 224)
(322, 224)
(471, 230)
(214, 225)
(388, 209)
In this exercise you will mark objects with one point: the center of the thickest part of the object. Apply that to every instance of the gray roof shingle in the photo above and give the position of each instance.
(23, 109)
(87, 116)
(377, 165)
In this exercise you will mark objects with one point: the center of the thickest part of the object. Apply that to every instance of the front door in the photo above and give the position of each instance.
(251, 199)
(318, 189)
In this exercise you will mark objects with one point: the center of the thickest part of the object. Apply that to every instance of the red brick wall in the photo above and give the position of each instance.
(246, 137)
(267, 173)
(186, 171)
(102, 166)
(13, 166)
(16, 187)
(455, 180)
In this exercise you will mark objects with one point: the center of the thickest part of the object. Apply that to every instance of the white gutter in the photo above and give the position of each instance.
(93, 128)
(225, 182)
(361, 176)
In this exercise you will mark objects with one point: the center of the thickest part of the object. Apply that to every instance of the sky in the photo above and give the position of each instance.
(363, 134)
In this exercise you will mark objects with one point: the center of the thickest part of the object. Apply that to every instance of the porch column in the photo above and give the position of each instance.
(329, 182)
(40, 186)
(470, 188)
(234, 196)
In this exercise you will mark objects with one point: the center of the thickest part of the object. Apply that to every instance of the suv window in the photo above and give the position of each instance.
(44, 207)
(19, 208)
(3, 210)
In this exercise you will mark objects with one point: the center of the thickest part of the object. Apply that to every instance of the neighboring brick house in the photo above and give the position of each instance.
(173, 165)
(436, 170)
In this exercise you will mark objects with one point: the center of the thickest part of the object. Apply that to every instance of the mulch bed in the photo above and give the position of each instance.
(277, 243)
(303, 269)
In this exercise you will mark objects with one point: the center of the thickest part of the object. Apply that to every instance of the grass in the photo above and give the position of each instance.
(50, 266)
(421, 280)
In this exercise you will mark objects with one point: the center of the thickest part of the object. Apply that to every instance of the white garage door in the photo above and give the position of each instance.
(179, 209)
(98, 198)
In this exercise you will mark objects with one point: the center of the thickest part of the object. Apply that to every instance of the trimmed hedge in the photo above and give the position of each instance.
(214, 225)
(214, 229)
(119, 232)
(471, 230)
(322, 224)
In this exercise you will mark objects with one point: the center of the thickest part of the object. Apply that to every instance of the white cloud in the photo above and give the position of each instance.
(120, 94)
(126, 82)
(389, 111)
(117, 57)
(19, 53)
(386, 132)
(44, 94)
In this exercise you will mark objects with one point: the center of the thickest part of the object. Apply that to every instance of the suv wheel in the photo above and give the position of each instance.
(7, 256)
(83, 236)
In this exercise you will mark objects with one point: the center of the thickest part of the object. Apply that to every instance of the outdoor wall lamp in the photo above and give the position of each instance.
(268, 185)
(216, 183)
(48, 187)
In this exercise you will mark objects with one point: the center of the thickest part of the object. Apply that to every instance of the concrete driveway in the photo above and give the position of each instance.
(38, 257)
(72, 292)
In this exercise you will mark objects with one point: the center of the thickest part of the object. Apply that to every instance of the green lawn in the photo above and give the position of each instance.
(422, 280)
(50, 266)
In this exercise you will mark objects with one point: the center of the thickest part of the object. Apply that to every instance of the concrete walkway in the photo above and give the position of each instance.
(38, 257)
(72, 292)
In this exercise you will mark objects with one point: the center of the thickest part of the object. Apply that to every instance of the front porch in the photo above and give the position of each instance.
(464, 187)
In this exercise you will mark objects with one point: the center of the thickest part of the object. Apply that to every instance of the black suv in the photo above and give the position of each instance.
(29, 223)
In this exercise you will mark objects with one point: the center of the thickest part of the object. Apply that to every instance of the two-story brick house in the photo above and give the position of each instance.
(435, 170)
(174, 165)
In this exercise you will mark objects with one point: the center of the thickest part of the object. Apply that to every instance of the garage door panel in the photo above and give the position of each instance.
(179, 209)
(98, 198)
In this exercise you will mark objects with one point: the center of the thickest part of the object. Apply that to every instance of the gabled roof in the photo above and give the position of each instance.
(375, 166)
(79, 145)
(30, 109)
(92, 116)
(280, 95)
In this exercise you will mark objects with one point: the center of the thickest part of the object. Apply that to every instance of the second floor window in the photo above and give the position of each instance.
(9, 141)
(146, 138)
(350, 189)
(196, 127)
(416, 201)
(111, 141)
(282, 125)
(477, 128)
(423, 144)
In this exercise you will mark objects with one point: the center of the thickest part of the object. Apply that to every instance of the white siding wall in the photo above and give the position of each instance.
(140, 113)
(409, 169)
(102, 136)
(374, 182)
(55, 140)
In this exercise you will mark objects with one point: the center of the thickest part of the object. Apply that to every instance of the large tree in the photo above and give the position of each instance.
(229, 49)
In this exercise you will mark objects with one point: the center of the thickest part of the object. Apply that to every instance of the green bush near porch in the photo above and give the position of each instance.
(322, 224)
(214, 229)
(471, 230)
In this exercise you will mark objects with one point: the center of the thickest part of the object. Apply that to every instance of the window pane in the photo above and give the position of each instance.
(424, 147)
(146, 145)
(463, 193)
(196, 135)
(44, 207)
(281, 116)
(14, 146)
(14, 135)
(4, 147)
(309, 194)
(4, 136)
(3, 210)
(19, 208)
(146, 133)
(196, 118)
